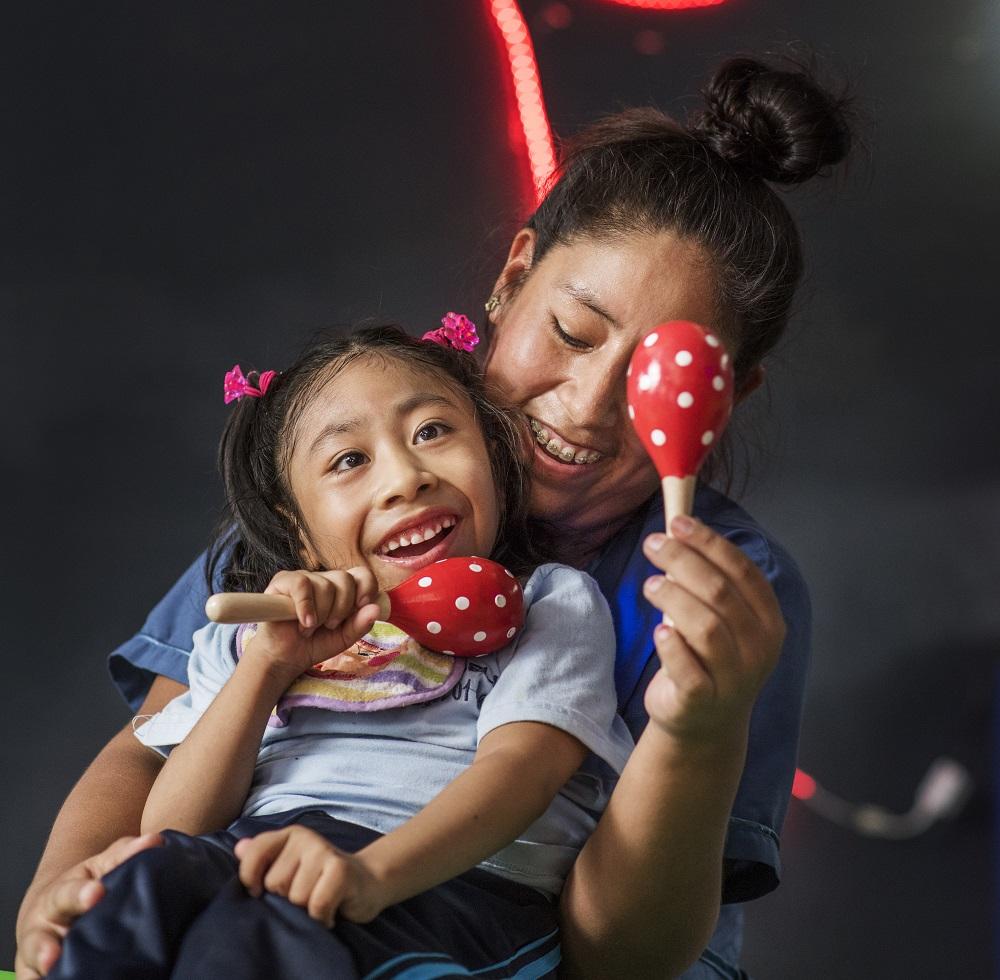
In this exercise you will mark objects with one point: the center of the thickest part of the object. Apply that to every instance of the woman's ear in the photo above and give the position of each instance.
(519, 259)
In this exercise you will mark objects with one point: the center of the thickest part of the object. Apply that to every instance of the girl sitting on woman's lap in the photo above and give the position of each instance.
(393, 778)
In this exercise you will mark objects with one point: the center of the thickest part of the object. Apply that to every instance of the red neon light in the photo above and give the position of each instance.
(538, 140)
(803, 786)
(531, 112)
(666, 4)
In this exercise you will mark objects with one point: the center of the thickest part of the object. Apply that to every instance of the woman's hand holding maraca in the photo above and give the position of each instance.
(726, 632)
(334, 610)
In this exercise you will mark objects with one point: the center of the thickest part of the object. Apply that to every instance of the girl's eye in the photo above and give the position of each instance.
(432, 430)
(348, 461)
(568, 339)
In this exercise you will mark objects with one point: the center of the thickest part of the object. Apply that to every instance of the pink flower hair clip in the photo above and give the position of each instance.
(236, 386)
(456, 331)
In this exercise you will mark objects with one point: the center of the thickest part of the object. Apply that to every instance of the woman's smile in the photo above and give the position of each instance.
(561, 347)
(560, 448)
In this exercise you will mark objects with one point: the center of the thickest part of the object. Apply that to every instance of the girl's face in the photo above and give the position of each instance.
(561, 346)
(390, 470)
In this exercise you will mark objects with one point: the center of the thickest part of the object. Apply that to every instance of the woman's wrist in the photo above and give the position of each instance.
(696, 749)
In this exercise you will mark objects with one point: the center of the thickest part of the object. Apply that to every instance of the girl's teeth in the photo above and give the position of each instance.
(566, 454)
(416, 537)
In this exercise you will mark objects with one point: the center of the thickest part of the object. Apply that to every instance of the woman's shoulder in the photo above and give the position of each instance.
(734, 523)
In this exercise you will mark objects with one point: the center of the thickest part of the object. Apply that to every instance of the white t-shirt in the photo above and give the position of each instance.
(378, 768)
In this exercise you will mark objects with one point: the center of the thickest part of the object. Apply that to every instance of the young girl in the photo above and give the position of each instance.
(370, 458)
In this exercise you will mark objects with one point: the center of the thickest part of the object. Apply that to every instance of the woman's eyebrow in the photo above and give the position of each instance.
(586, 298)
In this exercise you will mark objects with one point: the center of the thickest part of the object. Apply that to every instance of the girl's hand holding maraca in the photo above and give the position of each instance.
(334, 610)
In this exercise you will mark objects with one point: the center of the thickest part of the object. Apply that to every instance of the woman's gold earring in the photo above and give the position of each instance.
(492, 303)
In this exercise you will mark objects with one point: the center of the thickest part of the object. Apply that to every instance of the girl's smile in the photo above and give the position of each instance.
(395, 487)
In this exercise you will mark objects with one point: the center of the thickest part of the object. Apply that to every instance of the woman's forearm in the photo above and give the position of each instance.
(206, 779)
(643, 896)
(106, 802)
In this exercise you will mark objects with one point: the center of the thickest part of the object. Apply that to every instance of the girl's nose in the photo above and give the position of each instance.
(404, 480)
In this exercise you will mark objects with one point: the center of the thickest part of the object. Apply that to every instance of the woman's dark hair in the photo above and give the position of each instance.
(261, 530)
(708, 182)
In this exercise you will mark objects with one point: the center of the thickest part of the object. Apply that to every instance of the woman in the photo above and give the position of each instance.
(648, 222)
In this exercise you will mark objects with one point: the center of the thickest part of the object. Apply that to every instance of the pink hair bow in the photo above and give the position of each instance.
(456, 331)
(236, 386)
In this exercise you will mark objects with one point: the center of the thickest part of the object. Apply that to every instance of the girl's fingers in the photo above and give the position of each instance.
(328, 892)
(304, 881)
(278, 878)
(256, 855)
(366, 585)
(300, 589)
(339, 594)
(347, 633)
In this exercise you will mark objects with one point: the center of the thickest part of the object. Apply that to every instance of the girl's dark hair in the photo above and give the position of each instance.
(709, 182)
(261, 530)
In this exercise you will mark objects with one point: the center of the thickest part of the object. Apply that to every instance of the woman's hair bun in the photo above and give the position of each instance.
(776, 124)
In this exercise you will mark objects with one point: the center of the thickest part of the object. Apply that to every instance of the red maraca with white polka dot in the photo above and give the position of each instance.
(680, 397)
(462, 606)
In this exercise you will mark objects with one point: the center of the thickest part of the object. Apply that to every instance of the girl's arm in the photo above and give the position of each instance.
(207, 777)
(643, 897)
(91, 835)
(473, 817)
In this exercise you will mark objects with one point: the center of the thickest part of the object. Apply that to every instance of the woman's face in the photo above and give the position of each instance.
(561, 346)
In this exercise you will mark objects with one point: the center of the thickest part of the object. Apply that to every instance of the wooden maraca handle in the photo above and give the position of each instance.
(256, 607)
(678, 497)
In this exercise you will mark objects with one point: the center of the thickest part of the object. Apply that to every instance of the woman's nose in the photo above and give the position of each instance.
(593, 399)
(404, 479)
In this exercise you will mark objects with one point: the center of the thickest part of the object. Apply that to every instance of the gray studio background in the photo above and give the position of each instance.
(185, 186)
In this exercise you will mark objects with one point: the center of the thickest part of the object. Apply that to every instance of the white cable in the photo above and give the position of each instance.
(941, 794)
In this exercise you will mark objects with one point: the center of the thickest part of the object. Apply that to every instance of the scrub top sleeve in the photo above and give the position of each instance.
(211, 664)
(164, 643)
(766, 785)
(561, 670)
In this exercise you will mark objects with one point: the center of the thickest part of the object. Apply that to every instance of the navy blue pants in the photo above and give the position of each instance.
(181, 911)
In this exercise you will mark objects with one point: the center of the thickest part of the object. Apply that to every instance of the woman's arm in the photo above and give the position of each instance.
(105, 805)
(643, 897)
(473, 817)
